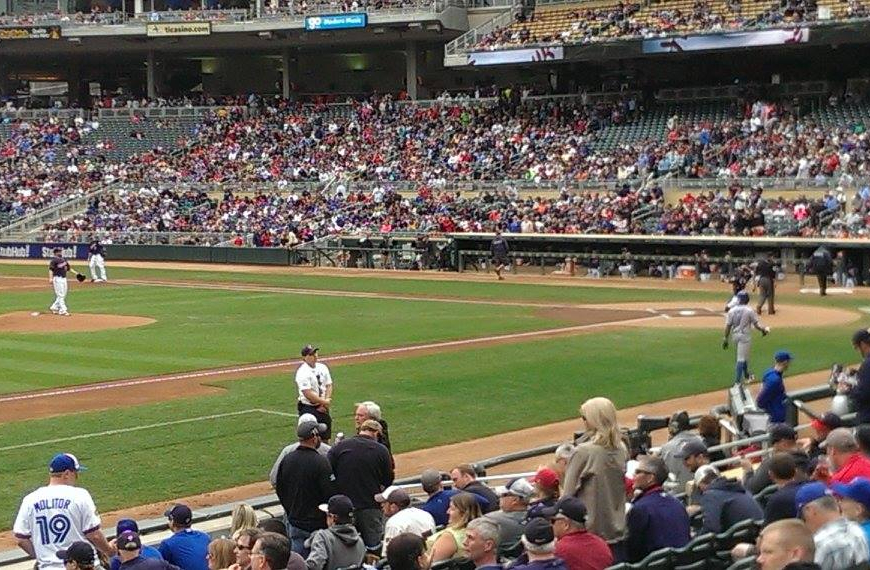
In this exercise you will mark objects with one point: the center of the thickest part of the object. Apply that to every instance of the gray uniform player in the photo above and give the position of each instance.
(739, 322)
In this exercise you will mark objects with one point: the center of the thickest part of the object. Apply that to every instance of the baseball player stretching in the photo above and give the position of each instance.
(314, 383)
(739, 322)
(57, 270)
(97, 261)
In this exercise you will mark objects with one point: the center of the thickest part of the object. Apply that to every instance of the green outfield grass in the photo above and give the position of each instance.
(428, 400)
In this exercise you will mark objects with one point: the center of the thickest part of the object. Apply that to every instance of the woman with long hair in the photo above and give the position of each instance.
(220, 554)
(407, 551)
(244, 516)
(596, 471)
(449, 542)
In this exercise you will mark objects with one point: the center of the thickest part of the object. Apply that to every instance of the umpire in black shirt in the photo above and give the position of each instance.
(303, 483)
(363, 468)
(766, 283)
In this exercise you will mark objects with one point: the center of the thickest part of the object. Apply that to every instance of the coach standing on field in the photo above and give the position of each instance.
(315, 389)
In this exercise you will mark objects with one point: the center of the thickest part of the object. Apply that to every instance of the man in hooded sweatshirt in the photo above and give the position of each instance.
(724, 501)
(339, 545)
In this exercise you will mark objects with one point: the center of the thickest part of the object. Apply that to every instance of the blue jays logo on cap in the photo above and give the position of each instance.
(65, 462)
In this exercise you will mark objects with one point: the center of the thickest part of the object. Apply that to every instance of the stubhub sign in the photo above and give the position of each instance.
(336, 21)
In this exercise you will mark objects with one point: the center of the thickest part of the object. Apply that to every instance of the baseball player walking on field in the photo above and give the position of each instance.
(54, 517)
(57, 270)
(315, 389)
(499, 250)
(739, 322)
(97, 261)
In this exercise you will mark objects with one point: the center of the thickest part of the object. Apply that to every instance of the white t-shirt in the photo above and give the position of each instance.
(413, 520)
(53, 517)
(315, 378)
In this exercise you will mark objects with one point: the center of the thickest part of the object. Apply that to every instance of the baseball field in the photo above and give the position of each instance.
(173, 380)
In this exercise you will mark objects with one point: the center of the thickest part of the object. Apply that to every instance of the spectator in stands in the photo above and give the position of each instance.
(783, 439)
(709, 430)
(273, 525)
(146, 551)
(371, 411)
(855, 502)
(563, 456)
(339, 544)
(821, 428)
(575, 545)
(839, 543)
(243, 516)
(407, 552)
(77, 556)
(510, 518)
(656, 519)
(680, 433)
(481, 544)
(323, 448)
(860, 394)
(539, 541)
(244, 543)
(449, 542)
(596, 473)
(439, 498)
(186, 548)
(363, 468)
(846, 459)
(694, 455)
(772, 398)
(862, 437)
(784, 474)
(129, 549)
(271, 552)
(304, 482)
(221, 554)
(547, 491)
(783, 543)
(402, 517)
(465, 479)
(724, 502)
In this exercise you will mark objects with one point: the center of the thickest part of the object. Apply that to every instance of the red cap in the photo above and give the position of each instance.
(546, 477)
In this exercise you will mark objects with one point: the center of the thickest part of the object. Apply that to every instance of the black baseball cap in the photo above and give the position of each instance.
(569, 507)
(128, 540)
(539, 531)
(309, 349)
(338, 505)
(780, 432)
(310, 428)
(861, 335)
(690, 448)
(80, 552)
(179, 514)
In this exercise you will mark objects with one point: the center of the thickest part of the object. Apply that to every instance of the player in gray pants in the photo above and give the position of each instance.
(739, 322)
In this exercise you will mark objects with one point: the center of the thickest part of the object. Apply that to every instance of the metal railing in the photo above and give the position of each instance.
(65, 20)
(132, 237)
(40, 114)
(165, 112)
(294, 10)
(467, 41)
(216, 16)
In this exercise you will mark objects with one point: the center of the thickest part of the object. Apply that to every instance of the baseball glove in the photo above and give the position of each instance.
(80, 277)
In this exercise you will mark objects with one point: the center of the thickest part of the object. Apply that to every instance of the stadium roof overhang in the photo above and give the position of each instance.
(255, 36)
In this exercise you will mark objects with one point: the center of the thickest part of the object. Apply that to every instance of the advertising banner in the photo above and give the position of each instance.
(516, 56)
(43, 250)
(336, 21)
(732, 40)
(30, 33)
(174, 29)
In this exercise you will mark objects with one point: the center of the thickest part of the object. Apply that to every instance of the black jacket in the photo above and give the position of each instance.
(781, 505)
(304, 482)
(363, 468)
(479, 488)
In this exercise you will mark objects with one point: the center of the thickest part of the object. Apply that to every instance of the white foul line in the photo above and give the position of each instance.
(139, 428)
(336, 358)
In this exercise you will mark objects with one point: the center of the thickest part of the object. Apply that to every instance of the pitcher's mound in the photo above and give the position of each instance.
(45, 322)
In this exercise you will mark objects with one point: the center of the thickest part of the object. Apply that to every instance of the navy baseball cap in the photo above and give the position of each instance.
(781, 432)
(65, 462)
(79, 551)
(858, 490)
(180, 514)
(782, 356)
(128, 540)
(809, 492)
(125, 525)
(569, 507)
(539, 531)
(338, 505)
(861, 335)
(309, 349)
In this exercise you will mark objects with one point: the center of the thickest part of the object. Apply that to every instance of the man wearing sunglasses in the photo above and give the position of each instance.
(244, 544)
(656, 519)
